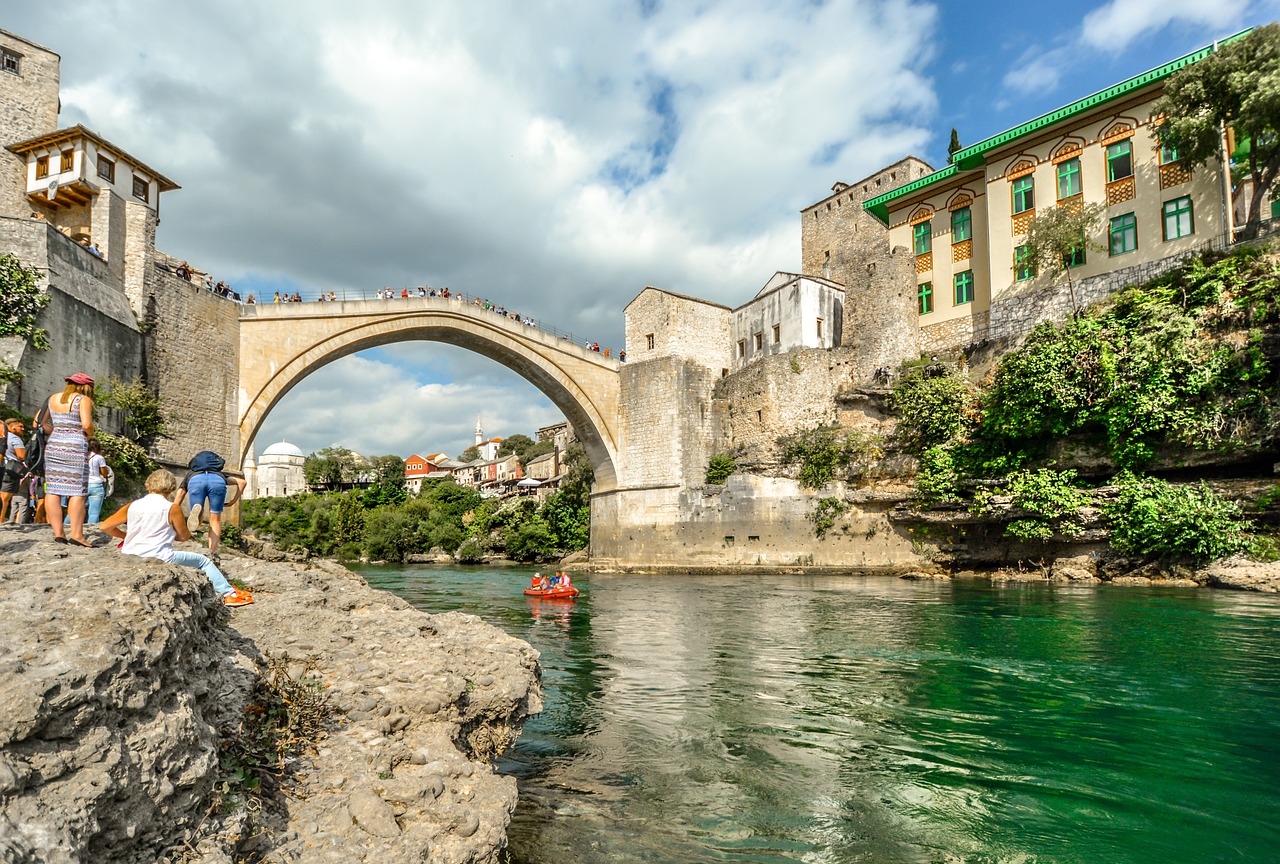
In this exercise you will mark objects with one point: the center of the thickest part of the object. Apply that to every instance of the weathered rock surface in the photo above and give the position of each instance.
(118, 675)
(1240, 572)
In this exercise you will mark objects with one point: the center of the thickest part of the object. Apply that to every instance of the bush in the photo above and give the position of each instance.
(124, 456)
(1192, 523)
(532, 540)
(471, 551)
(1050, 500)
(825, 515)
(937, 477)
(719, 468)
(826, 453)
(930, 403)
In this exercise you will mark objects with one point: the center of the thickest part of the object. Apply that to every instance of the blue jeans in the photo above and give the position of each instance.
(97, 491)
(211, 486)
(195, 559)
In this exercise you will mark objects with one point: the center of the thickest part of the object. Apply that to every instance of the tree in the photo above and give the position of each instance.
(516, 444)
(21, 301)
(954, 147)
(1058, 239)
(1237, 86)
(388, 483)
(329, 468)
(471, 454)
(140, 407)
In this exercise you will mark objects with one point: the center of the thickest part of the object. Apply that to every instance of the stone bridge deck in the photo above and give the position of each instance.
(282, 343)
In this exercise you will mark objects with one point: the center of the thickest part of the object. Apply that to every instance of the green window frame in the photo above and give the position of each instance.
(961, 225)
(1169, 153)
(964, 287)
(1024, 194)
(1119, 160)
(1075, 259)
(1069, 179)
(922, 237)
(1124, 234)
(1179, 221)
(1023, 267)
(924, 297)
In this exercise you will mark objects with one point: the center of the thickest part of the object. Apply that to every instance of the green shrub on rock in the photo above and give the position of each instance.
(1156, 518)
(1051, 502)
(827, 453)
(930, 403)
(719, 468)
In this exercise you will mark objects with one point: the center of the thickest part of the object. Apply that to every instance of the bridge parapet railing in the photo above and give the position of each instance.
(476, 303)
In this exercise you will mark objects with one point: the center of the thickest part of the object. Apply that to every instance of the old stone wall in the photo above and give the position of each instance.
(1014, 315)
(678, 326)
(30, 101)
(91, 327)
(881, 326)
(837, 237)
(665, 417)
(953, 335)
(193, 361)
(779, 395)
(751, 521)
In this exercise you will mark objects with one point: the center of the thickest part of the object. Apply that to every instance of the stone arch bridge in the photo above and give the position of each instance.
(283, 343)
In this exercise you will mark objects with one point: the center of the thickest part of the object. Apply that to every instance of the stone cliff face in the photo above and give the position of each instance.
(120, 676)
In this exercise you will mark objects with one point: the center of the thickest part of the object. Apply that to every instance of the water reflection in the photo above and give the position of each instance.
(701, 718)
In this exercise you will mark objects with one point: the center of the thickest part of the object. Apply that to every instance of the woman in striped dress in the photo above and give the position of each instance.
(69, 422)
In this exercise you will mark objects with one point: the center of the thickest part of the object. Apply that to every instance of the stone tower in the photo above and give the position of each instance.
(29, 94)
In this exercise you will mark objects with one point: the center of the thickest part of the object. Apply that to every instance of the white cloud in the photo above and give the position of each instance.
(1113, 26)
(555, 158)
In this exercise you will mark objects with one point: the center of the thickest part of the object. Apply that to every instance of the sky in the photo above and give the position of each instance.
(555, 157)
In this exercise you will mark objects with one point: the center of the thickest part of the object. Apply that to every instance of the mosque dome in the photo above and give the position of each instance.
(283, 448)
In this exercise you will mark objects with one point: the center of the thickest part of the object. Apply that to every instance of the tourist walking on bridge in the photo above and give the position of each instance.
(69, 422)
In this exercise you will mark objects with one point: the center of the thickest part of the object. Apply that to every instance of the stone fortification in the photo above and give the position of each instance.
(838, 238)
(121, 675)
(880, 323)
(91, 326)
(662, 324)
(193, 362)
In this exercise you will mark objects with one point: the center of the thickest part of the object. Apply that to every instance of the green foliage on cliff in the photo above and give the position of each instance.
(826, 453)
(1188, 361)
(930, 402)
(1152, 517)
(140, 406)
(1050, 504)
(21, 301)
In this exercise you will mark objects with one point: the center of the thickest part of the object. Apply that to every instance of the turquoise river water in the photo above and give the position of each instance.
(832, 719)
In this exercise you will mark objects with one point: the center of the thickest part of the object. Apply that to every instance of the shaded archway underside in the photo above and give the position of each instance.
(280, 345)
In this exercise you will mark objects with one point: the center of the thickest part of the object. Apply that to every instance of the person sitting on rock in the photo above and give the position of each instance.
(153, 522)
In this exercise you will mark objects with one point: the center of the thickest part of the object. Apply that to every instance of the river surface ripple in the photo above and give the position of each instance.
(831, 719)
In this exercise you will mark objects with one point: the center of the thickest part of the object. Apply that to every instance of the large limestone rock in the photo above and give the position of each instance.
(119, 675)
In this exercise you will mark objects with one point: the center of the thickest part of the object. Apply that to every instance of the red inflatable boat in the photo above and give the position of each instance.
(560, 591)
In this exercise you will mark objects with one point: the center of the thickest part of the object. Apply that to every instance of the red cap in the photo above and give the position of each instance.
(78, 378)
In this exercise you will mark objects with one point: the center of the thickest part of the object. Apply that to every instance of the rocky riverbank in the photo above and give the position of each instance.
(123, 681)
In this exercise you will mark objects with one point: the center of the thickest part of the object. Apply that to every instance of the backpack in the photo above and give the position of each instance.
(110, 486)
(206, 460)
(33, 462)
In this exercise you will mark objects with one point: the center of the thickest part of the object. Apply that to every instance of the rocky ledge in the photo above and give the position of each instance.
(123, 680)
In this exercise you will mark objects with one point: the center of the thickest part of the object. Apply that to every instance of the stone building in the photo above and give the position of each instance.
(83, 211)
(279, 471)
(965, 225)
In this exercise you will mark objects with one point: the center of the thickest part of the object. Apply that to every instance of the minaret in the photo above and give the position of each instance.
(479, 432)
(250, 475)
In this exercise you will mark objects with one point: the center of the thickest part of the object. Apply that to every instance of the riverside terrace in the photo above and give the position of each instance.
(282, 343)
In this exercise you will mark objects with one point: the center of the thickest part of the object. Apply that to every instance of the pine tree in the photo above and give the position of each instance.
(954, 146)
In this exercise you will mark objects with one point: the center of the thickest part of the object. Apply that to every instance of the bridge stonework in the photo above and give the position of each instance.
(280, 344)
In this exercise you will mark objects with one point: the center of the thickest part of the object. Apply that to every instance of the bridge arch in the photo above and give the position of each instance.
(281, 344)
